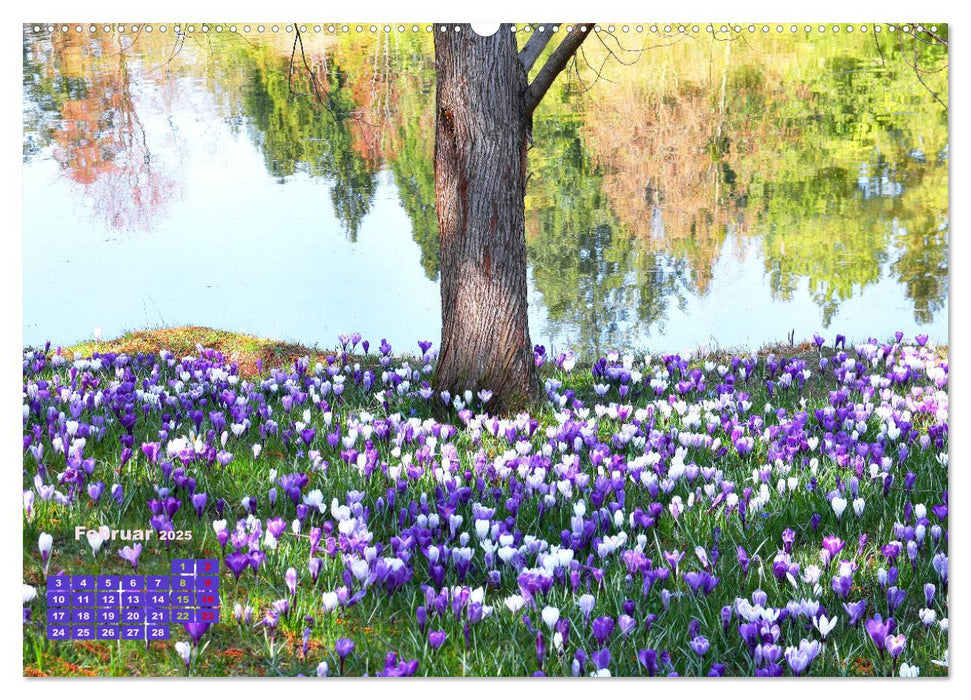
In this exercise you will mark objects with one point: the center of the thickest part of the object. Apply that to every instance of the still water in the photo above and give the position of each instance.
(709, 191)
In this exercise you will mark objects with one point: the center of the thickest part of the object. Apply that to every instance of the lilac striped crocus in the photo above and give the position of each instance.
(131, 554)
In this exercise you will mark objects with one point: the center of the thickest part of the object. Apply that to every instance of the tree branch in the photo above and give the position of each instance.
(555, 64)
(534, 47)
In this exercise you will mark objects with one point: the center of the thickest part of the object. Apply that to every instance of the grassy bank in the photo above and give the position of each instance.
(666, 488)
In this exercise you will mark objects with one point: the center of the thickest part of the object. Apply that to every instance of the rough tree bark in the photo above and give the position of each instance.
(484, 107)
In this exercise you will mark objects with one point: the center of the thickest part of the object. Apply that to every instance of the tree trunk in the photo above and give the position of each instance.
(481, 130)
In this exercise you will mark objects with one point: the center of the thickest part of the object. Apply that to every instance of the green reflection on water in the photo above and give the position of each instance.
(825, 150)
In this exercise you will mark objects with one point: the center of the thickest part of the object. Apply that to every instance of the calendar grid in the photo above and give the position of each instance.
(132, 607)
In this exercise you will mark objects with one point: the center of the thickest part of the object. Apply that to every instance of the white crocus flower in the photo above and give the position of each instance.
(315, 499)
(45, 543)
(96, 538)
(551, 616)
(824, 625)
(839, 505)
(514, 603)
(330, 601)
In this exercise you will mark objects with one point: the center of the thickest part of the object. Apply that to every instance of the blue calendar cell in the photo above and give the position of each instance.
(83, 583)
(133, 631)
(108, 615)
(59, 632)
(109, 583)
(156, 632)
(59, 583)
(109, 599)
(183, 583)
(207, 566)
(80, 600)
(58, 598)
(183, 566)
(133, 583)
(182, 599)
(210, 615)
(207, 599)
(155, 599)
(157, 583)
(130, 616)
(82, 632)
(158, 616)
(109, 632)
(58, 616)
(207, 582)
(182, 616)
(83, 616)
(133, 599)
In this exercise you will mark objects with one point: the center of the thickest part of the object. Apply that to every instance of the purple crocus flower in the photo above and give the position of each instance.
(602, 629)
(700, 645)
(237, 563)
(878, 631)
(199, 503)
(855, 611)
(648, 659)
(436, 638)
(196, 630)
(95, 490)
(150, 450)
(344, 647)
(895, 645)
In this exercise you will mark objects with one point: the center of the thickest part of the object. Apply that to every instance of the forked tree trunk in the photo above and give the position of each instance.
(480, 181)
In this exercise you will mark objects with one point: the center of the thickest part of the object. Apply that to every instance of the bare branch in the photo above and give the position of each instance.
(555, 64)
(534, 47)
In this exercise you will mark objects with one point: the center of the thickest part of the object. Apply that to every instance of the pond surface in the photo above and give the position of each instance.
(723, 192)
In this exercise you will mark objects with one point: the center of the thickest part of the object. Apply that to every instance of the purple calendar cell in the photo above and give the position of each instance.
(83, 583)
(183, 566)
(131, 616)
(183, 583)
(207, 566)
(182, 599)
(82, 600)
(132, 599)
(133, 632)
(58, 598)
(133, 583)
(207, 582)
(210, 615)
(109, 599)
(59, 583)
(58, 616)
(82, 616)
(109, 632)
(109, 583)
(157, 583)
(156, 632)
(82, 631)
(207, 599)
(60, 632)
(108, 616)
(157, 616)
(182, 615)
(155, 599)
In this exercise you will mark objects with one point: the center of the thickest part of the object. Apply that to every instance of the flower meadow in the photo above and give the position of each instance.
(781, 513)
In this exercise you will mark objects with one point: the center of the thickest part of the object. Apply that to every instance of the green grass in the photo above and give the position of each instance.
(501, 644)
